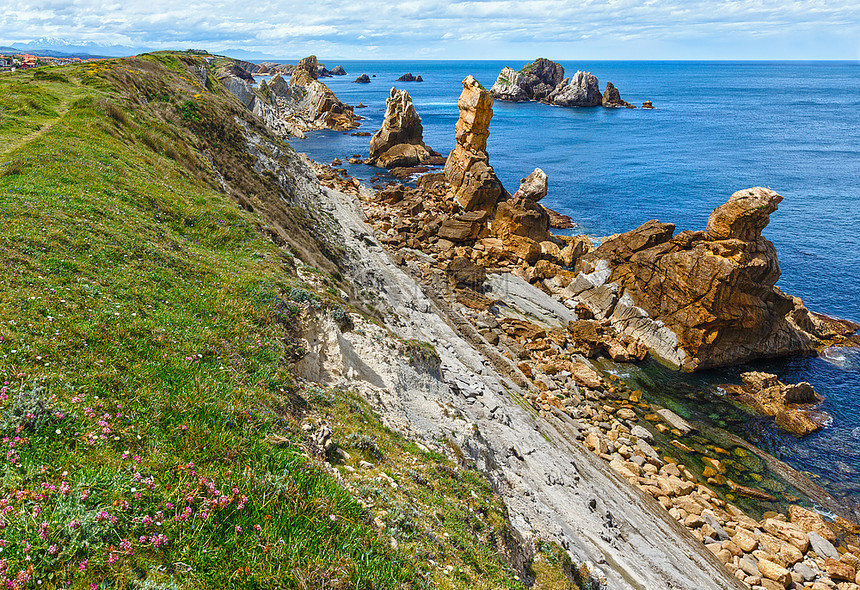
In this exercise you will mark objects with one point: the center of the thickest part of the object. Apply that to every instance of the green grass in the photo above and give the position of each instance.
(150, 422)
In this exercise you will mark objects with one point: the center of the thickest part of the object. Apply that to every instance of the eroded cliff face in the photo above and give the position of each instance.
(295, 104)
(714, 289)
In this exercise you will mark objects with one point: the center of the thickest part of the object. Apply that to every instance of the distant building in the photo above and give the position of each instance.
(3, 62)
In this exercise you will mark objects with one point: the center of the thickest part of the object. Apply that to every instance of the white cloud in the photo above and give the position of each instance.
(454, 28)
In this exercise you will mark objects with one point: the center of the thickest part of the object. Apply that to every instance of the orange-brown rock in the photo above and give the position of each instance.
(465, 227)
(473, 181)
(810, 521)
(787, 403)
(523, 248)
(715, 290)
(400, 140)
(521, 215)
(576, 247)
(839, 571)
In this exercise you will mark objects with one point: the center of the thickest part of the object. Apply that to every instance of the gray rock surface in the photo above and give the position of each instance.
(822, 546)
(553, 487)
(675, 421)
(582, 90)
(510, 86)
(521, 299)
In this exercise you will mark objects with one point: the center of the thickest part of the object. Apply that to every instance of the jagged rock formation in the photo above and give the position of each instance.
(534, 82)
(408, 77)
(582, 90)
(612, 98)
(310, 65)
(702, 299)
(362, 79)
(521, 215)
(338, 71)
(473, 182)
(293, 107)
(790, 405)
(400, 140)
(544, 80)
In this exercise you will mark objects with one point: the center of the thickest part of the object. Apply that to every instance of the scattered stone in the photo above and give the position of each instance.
(675, 421)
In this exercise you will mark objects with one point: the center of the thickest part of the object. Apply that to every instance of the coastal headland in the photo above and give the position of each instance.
(214, 338)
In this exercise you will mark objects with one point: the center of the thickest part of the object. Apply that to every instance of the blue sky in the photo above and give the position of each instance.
(449, 29)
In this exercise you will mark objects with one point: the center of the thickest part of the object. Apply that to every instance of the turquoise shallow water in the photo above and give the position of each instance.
(718, 127)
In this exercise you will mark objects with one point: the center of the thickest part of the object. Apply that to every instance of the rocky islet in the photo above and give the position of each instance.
(543, 81)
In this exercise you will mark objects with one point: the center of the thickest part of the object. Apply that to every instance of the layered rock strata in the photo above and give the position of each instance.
(400, 140)
(547, 345)
(714, 291)
(295, 106)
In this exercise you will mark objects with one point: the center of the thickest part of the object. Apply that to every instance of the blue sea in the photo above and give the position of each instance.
(717, 127)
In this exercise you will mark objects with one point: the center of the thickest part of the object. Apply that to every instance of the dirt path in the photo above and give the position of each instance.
(30, 137)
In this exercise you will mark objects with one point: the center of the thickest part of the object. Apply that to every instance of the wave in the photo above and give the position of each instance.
(843, 358)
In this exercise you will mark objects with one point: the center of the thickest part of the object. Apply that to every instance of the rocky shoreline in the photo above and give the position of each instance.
(536, 311)
(292, 105)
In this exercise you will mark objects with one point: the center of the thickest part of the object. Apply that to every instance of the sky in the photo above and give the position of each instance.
(452, 29)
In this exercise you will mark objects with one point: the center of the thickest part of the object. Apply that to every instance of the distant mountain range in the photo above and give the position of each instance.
(50, 47)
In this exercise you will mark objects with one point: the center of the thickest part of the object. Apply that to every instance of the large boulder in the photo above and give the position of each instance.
(521, 215)
(744, 216)
(399, 142)
(582, 90)
(715, 291)
(472, 180)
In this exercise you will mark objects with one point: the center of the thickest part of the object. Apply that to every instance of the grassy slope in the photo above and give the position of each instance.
(149, 420)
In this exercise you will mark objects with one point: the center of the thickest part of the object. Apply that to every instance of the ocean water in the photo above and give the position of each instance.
(718, 127)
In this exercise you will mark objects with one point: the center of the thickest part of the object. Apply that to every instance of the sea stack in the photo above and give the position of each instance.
(399, 142)
(473, 181)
